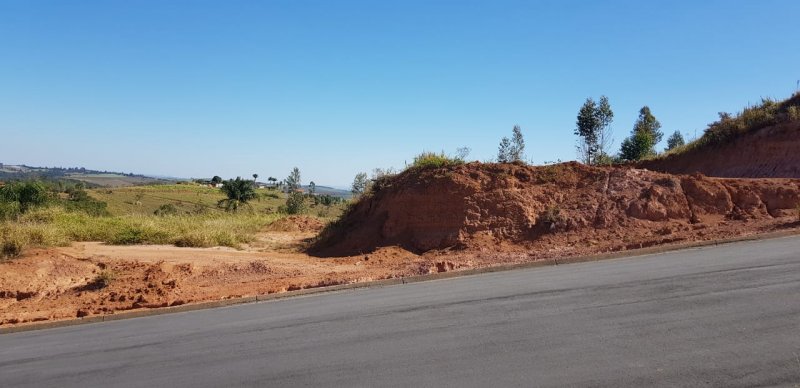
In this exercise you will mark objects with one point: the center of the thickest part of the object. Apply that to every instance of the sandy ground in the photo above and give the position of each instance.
(61, 283)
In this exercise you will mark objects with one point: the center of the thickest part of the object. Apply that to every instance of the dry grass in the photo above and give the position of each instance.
(56, 227)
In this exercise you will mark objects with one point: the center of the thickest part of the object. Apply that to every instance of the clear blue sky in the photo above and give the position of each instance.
(197, 88)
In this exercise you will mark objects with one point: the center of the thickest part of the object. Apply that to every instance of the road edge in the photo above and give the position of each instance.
(389, 282)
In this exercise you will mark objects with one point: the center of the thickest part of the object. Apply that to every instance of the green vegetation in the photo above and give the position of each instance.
(360, 184)
(768, 112)
(58, 213)
(19, 197)
(752, 118)
(675, 141)
(103, 279)
(593, 128)
(295, 203)
(636, 147)
(53, 226)
(551, 216)
(166, 209)
(238, 192)
(433, 160)
(510, 150)
(293, 180)
(645, 135)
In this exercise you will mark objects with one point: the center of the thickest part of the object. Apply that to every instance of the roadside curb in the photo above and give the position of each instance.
(391, 282)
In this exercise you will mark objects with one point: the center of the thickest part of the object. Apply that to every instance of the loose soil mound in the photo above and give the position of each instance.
(772, 152)
(514, 207)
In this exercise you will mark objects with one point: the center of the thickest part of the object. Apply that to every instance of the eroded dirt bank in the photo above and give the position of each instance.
(772, 152)
(565, 206)
(421, 222)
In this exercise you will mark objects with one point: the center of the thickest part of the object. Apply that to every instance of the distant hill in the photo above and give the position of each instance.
(92, 178)
(326, 190)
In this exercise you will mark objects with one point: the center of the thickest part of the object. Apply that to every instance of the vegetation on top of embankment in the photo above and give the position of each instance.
(760, 141)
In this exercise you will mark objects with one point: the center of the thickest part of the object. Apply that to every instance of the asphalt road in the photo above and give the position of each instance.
(720, 316)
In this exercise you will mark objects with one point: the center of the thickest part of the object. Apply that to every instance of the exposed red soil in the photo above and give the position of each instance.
(418, 222)
(566, 207)
(296, 224)
(772, 152)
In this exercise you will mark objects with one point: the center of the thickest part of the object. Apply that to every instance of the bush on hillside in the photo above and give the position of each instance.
(21, 197)
(768, 112)
(295, 204)
(166, 209)
(434, 160)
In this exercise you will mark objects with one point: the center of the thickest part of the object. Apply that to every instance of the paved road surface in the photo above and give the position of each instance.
(723, 316)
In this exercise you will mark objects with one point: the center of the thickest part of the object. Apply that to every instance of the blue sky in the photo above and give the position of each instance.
(198, 88)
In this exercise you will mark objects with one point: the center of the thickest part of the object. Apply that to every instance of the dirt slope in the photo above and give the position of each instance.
(514, 207)
(771, 152)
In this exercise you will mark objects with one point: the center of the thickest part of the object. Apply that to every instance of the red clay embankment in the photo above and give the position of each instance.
(539, 209)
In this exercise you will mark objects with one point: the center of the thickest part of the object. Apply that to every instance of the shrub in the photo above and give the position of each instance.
(103, 279)
(11, 247)
(194, 240)
(128, 236)
(24, 195)
(434, 160)
(551, 215)
(9, 210)
(166, 209)
(793, 113)
(295, 203)
(768, 112)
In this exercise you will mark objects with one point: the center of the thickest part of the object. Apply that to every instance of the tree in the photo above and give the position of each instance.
(312, 187)
(645, 135)
(293, 180)
(516, 153)
(504, 150)
(360, 183)
(238, 192)
(605, 116)
(273, 180)
(636, 147)
(647, 123)
(675, 140)
(462, 153)
(511, 150)
(255, 176)
(593, 127)
(216, 179)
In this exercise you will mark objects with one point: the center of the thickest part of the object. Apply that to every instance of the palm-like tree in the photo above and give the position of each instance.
(239, 191)
(255, 176)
